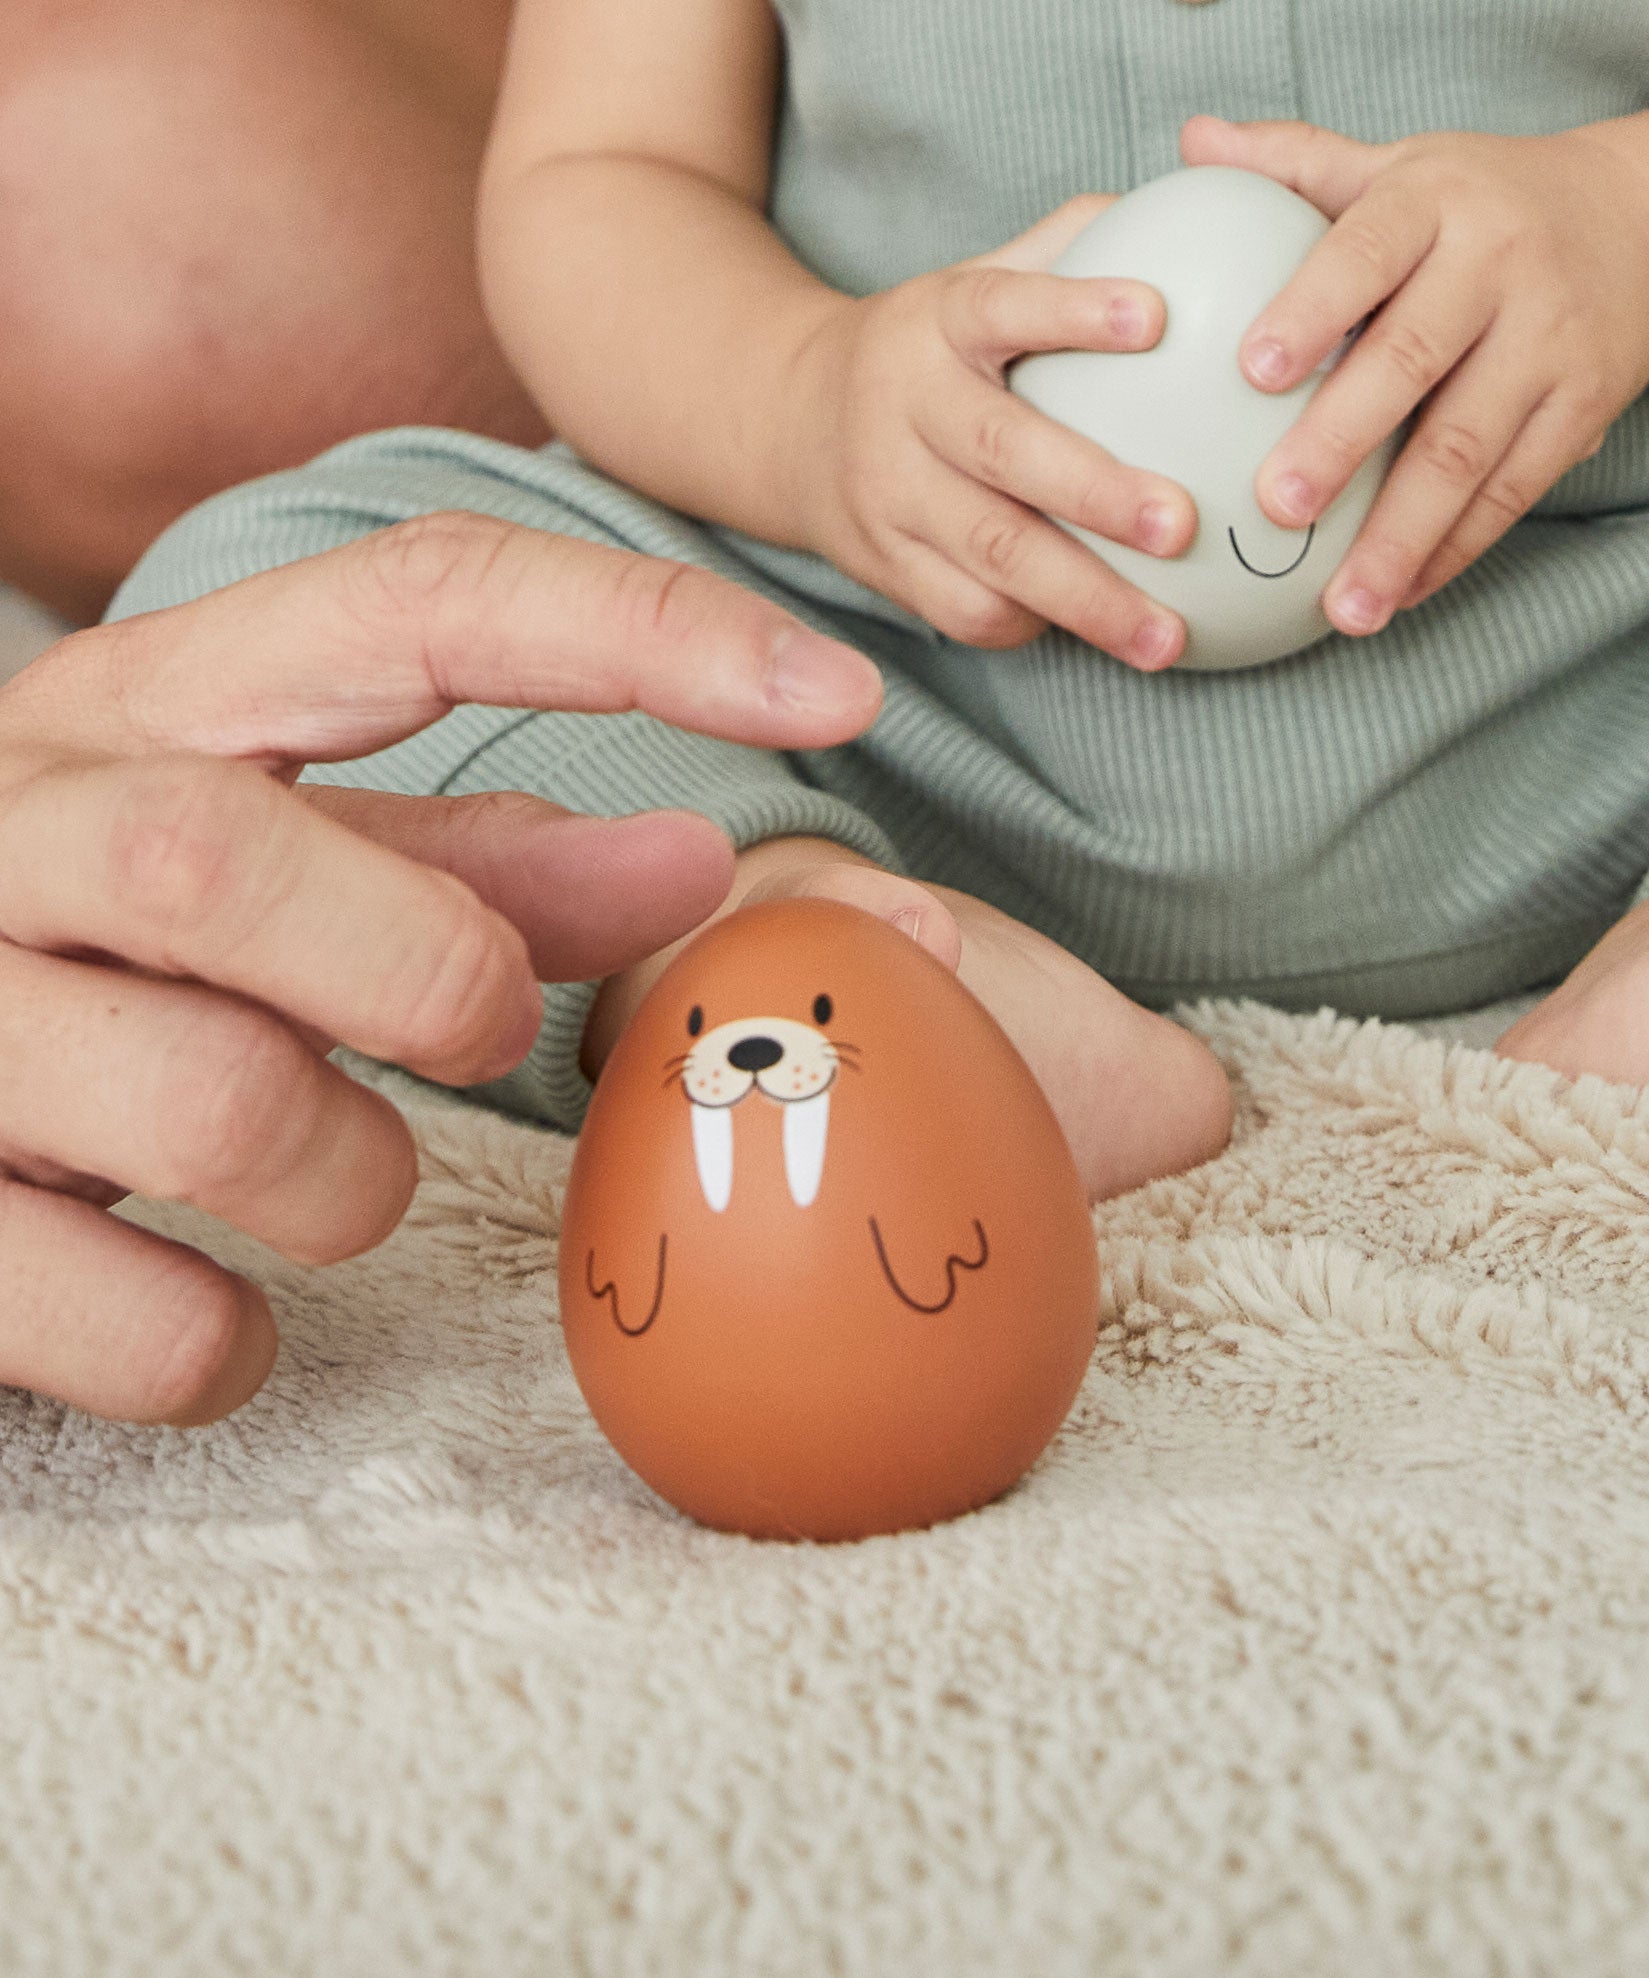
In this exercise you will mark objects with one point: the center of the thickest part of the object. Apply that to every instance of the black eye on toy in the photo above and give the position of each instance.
(695, 1020)
(822, 1008)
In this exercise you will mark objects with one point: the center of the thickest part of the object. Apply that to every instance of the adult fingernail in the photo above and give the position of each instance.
(1266, 362)
(249, 1351)
(820, 676)
(511, 1045)
(1155, 643)
(1293, 494)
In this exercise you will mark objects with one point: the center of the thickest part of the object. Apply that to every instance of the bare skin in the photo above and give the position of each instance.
(230, 236)
(1594, 1021)
(1508, 287)
(1136, 1095)
(184, 935)
(143, 144)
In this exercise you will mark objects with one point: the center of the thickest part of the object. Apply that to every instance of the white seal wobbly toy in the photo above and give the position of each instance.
(1218, 244)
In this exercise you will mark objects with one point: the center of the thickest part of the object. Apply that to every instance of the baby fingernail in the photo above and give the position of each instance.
(1155, 643)
(1293, 495)
(1126, 320)
(1157, 527)
(1266, 362)
(1361, 611)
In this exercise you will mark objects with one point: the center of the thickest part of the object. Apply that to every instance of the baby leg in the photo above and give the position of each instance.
(1597, 1019)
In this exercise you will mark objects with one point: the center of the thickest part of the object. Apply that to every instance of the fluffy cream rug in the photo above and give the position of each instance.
(1317, 1644)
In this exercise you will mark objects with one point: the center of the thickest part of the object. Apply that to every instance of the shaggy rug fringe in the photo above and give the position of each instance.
(1318, 1643)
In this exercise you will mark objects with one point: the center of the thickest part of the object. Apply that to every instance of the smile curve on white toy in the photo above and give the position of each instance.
(1287, 570)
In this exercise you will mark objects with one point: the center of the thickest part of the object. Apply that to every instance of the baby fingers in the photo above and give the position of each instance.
(1485, 448)
(1367, 255)
(999, 440)
(1545, 448)
(1405, 353)
(1028, 571)
(990, 316)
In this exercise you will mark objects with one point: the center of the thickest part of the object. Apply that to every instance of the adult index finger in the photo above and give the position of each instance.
(360, 647)
(210, 870)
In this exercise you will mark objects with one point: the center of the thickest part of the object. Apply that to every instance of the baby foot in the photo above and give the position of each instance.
(1597, 1019)
(1136, 1095)
(779, 868)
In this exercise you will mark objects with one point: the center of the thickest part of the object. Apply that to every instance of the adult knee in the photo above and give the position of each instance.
(229, 237)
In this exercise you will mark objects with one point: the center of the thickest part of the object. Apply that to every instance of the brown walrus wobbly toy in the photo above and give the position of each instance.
(827, 1268)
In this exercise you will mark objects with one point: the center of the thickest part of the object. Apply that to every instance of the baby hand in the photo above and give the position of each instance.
(932, 483)
(1507, 282)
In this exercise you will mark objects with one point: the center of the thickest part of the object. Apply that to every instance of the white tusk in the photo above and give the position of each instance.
(713, 1152)
(806, 1128)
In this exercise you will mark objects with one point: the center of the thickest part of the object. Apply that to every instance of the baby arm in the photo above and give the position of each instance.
(671, 336)
(1506, 283)
(675, 341)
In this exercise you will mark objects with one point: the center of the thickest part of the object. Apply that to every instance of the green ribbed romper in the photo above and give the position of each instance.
(1430, 818)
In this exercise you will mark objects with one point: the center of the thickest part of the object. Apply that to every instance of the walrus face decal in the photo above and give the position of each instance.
(826, 1264)
(792, 1064)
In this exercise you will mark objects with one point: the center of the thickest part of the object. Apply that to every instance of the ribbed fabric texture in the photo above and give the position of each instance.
(913, 134)
(1434, 817)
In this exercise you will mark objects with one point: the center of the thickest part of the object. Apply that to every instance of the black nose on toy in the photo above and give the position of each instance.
(755, 1053)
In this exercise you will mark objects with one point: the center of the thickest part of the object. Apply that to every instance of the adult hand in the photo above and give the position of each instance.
(1506, 280)
(184, 934)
